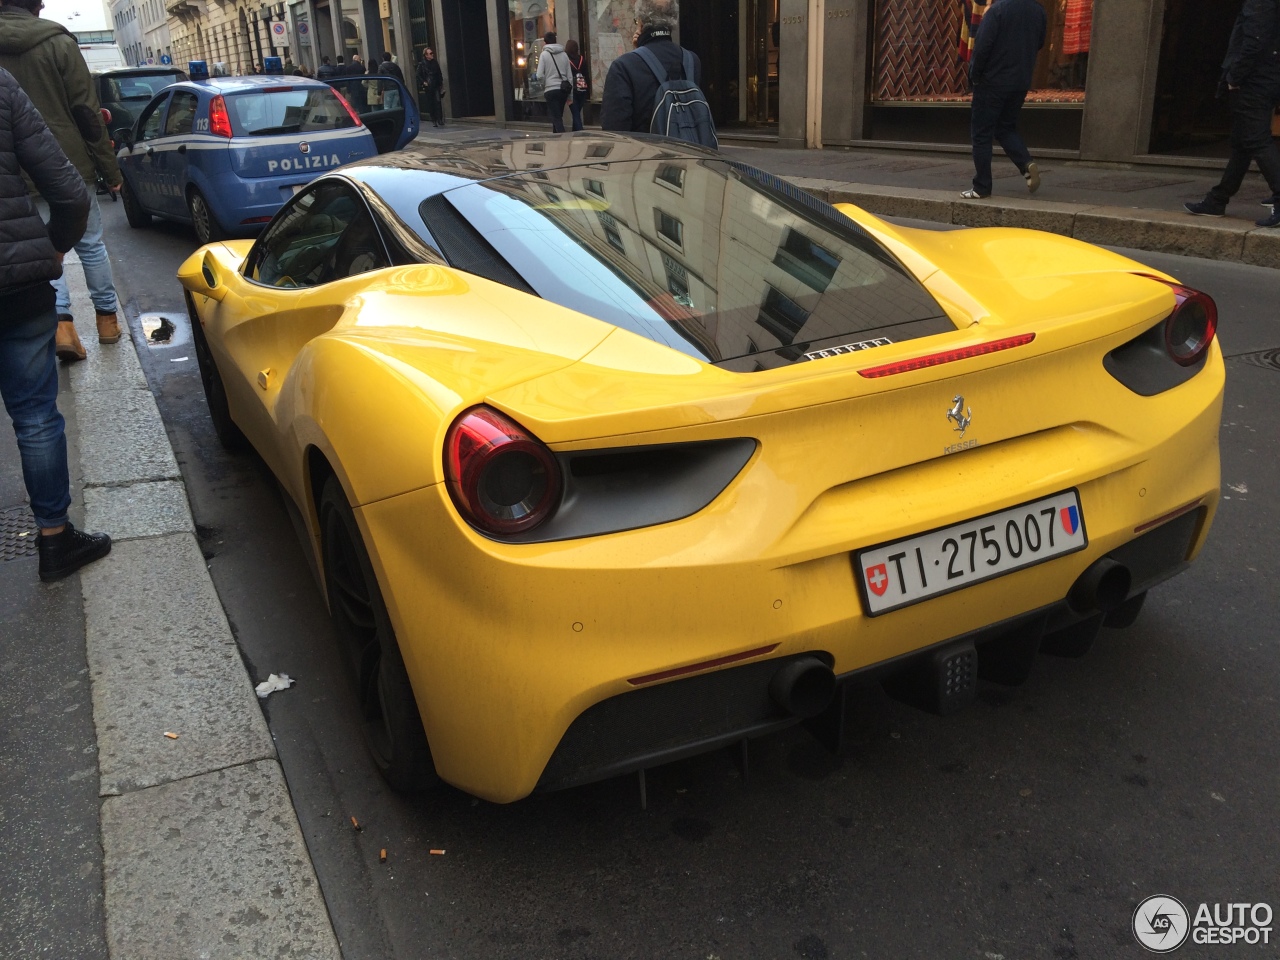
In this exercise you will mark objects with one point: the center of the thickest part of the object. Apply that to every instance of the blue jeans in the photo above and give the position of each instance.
(93, 258)
(29, 385)
(995, 116)
(575, 108)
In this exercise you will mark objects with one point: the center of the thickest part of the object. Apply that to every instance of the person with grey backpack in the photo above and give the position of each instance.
(656, 88)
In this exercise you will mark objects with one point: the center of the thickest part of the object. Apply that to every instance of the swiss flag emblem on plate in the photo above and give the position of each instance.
(878, 579)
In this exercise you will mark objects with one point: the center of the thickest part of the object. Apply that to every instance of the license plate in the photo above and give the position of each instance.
(898, 574)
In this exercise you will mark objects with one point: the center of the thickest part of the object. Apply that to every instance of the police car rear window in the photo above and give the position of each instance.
(291, 110)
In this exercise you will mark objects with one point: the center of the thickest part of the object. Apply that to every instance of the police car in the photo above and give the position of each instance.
(225, 153)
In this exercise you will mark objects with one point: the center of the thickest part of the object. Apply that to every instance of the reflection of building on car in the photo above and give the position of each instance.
(611, 451)
(224, 155)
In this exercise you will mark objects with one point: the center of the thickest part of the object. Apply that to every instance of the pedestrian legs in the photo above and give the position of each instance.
(1251, 109)
(29, 385)
(575, 108)
(555, 109)
(994, 117)
(97, 267)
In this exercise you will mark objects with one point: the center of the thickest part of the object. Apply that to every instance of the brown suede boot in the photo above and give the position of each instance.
(108, 328)
(67, 343)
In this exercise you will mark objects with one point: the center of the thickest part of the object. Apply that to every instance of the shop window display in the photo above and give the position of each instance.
(531, 20)
(923, 47)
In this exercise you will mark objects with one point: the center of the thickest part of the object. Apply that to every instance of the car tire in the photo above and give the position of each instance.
(133, 211)
(215, 393)
(392, 725)
(203, 219)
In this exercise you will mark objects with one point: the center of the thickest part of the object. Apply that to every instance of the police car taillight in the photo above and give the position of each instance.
(219, 120)
(355, 117)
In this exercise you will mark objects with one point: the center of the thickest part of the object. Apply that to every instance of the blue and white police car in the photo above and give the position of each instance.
(225, 153)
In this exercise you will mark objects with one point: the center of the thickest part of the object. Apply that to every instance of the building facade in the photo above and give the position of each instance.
(1117, 80)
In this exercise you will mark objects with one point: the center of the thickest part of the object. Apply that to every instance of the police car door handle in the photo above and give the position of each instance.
(182, 148)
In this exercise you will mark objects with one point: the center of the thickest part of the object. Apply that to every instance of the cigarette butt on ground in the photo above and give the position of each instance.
(171, 735)
(382, 855)
(437, 853)
(356, 824)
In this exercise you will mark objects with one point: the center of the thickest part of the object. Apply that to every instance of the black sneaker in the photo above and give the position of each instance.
(1272, 219)
(1205, 208)
(64, 553)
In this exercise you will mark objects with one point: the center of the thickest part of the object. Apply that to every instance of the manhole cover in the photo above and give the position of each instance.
(17, 534)
(1270, 359)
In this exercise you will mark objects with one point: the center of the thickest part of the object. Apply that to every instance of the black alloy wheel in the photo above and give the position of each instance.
(203, 220)
(215, 393)
(133, 211)
(392, 725)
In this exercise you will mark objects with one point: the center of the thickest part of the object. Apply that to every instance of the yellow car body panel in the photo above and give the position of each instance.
(507, 643)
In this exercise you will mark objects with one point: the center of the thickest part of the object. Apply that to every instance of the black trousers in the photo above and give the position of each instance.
(432, 96)
(995, 116)
(556, 100)
(1251, 141)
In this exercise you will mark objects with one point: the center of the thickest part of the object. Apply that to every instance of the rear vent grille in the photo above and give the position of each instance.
(464, 247)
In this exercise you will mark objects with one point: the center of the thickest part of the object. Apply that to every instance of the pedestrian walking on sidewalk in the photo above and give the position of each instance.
(46, 61)
(581, 80)
(30, 257)
(389, 68)
(1004, 58)
(431, 81)
(554, 72)
(1251, 78)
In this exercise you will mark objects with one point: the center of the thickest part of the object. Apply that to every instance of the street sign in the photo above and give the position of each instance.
(166, 59)
(278, 30)
(304, 32)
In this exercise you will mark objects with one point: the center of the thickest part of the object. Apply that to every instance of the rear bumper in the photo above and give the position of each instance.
(509, 645)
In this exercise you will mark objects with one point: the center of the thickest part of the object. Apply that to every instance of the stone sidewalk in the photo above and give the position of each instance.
(202, 855)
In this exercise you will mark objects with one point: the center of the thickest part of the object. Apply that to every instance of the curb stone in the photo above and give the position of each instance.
(1159, 231)
(203, 854)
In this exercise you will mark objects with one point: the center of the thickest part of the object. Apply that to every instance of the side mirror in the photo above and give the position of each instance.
(125, 136)
(214, 288)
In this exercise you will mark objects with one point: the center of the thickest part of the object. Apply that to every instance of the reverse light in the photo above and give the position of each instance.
(946, 356)
(355, 117)
(219, 119)
(501, 479)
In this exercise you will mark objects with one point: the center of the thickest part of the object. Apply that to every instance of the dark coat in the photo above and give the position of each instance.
(583, 67)
(46, 60)
(430, 75)
(1254, 40)
(1009, 40)
(27, 247)
(630, 86)
(389, 69)
(327, 71)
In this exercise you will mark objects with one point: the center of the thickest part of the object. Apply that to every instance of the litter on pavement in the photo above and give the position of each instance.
(280, 681)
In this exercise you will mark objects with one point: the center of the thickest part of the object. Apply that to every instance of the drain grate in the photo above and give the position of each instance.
(17, 534)
(1270, 359)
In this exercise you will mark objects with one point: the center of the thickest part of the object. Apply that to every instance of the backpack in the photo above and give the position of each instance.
(579, 78)
(680, 108)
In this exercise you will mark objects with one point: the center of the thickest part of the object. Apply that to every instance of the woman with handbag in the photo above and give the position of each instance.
(554, 72)
(580, 77)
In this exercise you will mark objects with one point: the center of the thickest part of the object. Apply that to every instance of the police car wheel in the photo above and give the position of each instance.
(133, 211)
(206, 224)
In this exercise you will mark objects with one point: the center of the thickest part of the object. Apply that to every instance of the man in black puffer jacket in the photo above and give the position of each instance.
(31, 257)
(630, 86)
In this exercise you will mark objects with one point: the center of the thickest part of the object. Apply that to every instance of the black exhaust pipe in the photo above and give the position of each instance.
(1103, 587)
(803, 687)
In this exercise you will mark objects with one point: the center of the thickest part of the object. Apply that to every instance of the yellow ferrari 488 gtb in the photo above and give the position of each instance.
(611, 451)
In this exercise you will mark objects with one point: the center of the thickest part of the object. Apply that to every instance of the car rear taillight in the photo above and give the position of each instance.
(355, 117)
(219, 119)
(1190, 328)
(501, 479)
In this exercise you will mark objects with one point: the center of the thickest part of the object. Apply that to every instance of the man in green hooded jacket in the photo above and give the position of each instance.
(45, 59)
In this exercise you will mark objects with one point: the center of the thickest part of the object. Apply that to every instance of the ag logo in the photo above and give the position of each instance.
(304, 147)
(1161, 924)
